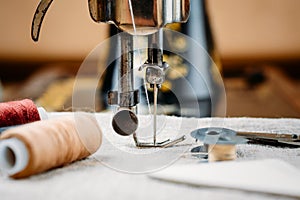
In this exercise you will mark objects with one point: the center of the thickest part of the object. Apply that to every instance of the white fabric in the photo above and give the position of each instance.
(90, 179)
(271, 176)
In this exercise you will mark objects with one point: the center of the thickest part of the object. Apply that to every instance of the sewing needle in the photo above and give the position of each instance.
(155, 91)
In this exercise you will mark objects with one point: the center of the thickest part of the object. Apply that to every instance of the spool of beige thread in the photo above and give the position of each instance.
(221, 152)
(39, 146)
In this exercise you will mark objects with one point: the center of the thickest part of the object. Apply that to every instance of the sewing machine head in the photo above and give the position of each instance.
(149, 15)
(135, 17)
(146, 15)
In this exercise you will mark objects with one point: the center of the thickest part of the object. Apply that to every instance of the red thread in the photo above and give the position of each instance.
(18, 112)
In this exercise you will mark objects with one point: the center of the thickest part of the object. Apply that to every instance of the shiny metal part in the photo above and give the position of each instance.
(200, 152)
(149, 15)
(281, 137)
(126, 97)
(125, 122)
(164, 144)
(154, 75)
(227, 136)
(273, 139)
(216, 135)
(155, 67)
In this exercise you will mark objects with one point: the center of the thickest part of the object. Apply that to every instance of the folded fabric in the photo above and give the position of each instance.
(267, 176)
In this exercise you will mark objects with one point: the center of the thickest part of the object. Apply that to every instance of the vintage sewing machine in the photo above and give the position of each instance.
(134, 17)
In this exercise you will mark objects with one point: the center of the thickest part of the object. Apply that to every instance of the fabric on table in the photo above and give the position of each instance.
(90, 179)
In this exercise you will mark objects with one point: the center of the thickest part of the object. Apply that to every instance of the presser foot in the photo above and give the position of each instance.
(164, 144)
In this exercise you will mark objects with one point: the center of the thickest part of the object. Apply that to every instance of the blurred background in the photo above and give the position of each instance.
(257, 41)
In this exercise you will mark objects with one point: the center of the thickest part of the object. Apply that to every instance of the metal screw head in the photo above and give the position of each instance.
(155, 75)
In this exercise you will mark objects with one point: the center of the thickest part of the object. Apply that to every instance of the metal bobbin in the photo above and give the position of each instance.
(219, 144)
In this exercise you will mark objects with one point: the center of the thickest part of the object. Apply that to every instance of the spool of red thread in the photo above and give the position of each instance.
(19, 112)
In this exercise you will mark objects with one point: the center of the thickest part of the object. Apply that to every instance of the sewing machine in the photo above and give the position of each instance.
(134, 17)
